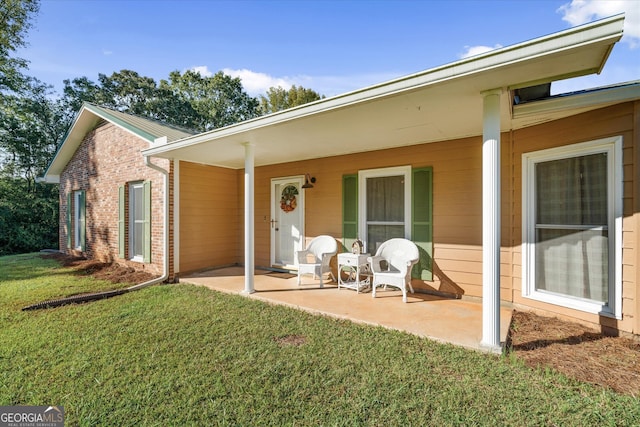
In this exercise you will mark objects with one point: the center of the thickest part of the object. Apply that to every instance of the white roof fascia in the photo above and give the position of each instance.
(62, 151)
(608, 29)
(49, 179)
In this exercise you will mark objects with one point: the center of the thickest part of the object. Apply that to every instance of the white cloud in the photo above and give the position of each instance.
(203, 70)
(582, 11)
(256, 83)
(253, 82)
(106, 52)
(477, 50)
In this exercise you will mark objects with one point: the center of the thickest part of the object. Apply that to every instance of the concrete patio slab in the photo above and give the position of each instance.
(454, 321)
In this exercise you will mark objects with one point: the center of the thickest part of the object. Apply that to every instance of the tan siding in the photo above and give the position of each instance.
(457, 209)
(457, 193)
(612, 121)
(635, 210)
(208, 216)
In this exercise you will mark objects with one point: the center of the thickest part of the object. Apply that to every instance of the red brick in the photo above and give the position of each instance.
(108, 158)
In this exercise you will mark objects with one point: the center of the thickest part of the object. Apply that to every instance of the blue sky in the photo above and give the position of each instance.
(329, 46)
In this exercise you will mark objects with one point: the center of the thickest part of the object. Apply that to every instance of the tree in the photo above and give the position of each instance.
(78, 91)
(28, 218)
(125, 91)
(31, 123)
(29, 129)
(279, 99)
(187, 99)
(171, 109)
(217, 100)
(300, 96)
(15, 20)
(128, 91)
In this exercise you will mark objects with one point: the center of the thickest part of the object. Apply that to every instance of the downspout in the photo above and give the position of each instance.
(165, 230)
(112, 293)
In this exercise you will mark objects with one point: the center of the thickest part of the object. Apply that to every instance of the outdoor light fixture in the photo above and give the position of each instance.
(309, 181)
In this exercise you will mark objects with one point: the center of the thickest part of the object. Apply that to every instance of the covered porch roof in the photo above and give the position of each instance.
(438, 104)
(471, 97)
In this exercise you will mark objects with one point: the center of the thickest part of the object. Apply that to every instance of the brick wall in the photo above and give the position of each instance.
(108, 158)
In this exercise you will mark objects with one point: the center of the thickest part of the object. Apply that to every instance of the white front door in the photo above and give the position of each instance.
(287, 220)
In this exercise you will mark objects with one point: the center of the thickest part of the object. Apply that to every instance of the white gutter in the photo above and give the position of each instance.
(165, 231)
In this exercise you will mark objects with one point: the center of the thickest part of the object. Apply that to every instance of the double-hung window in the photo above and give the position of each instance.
(380, 204)
(76, 220)
(134, 221)
(385, 205)
(572, 233)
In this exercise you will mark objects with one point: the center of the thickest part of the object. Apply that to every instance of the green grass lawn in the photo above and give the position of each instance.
(182, 355)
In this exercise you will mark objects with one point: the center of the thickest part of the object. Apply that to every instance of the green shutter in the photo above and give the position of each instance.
(69, 219)
(121, 222)
(147, 221)
(82, 226)
(422, 221)
(349, 210)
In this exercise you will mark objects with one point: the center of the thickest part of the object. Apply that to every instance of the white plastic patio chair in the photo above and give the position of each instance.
(315, 259)
(391, 266)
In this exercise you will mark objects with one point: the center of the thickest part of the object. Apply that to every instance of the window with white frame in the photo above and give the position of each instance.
(79, 220)
(136, 221)
(572, 233)
(379, 204)
(385, 205)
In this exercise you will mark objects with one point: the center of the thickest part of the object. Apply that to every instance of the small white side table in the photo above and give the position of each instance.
(355, 266)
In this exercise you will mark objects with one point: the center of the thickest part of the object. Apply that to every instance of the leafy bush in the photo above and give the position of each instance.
(28, 217)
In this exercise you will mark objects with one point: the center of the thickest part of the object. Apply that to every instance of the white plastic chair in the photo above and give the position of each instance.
(391, 266)
(315, 259)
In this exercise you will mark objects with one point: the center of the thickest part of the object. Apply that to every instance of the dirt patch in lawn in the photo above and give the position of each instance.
(575, 350)
(290, 340)
(109, 271)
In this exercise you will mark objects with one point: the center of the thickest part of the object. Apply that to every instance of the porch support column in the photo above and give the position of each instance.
(491, 221)
(249, 224)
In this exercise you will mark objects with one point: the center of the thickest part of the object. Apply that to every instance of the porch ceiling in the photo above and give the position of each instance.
(438, 104)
